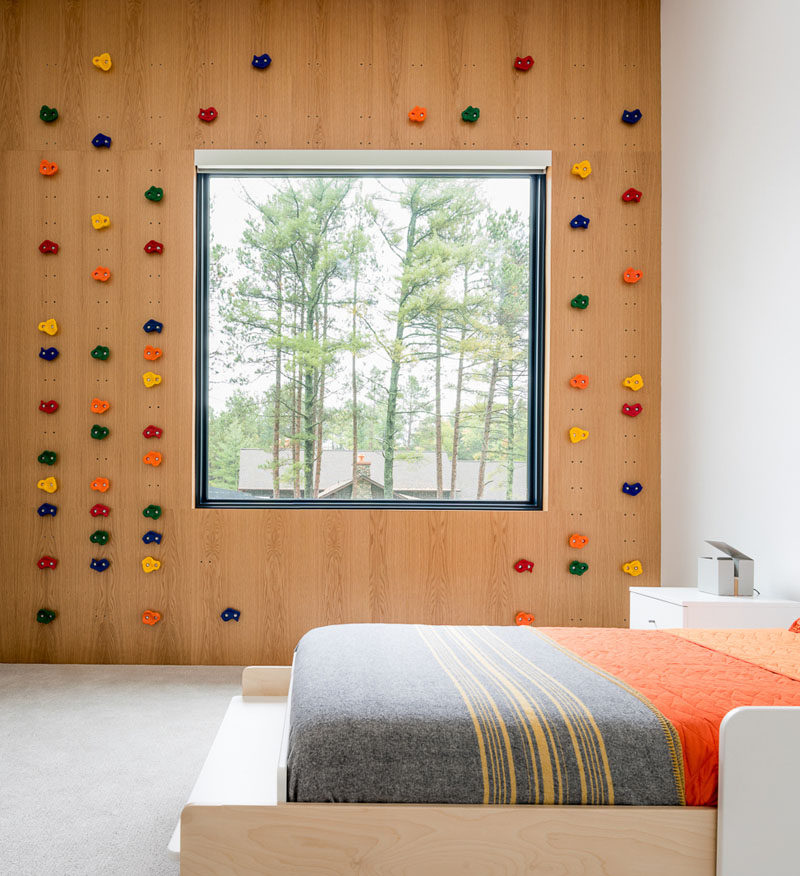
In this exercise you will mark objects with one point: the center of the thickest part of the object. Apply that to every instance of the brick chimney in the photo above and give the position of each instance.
(363, 487)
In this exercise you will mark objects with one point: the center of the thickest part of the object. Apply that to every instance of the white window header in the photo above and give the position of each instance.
(366, 160)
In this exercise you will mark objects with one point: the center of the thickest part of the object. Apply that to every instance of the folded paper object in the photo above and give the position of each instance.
(728, 573)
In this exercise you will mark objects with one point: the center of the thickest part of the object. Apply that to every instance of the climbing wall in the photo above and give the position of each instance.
(344, 75)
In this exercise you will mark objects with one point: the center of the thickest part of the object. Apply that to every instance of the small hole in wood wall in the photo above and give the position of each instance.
(156, 407)
(577, 489)
(579, 356)
(523, 117)
(632, 356)
(576, 513)
(158, 276)
(51, 433)
(366, 64)
(101, 459)
(577, 410)
(101, 380)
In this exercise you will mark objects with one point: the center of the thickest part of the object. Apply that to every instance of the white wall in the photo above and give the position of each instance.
(731, 286)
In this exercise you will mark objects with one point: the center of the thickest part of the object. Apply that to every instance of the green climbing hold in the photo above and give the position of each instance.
(99, 432)
(100, 352)
(153, 511)
(47, 457)
(471, 114)
(154, 193)
(576, 568)
(48, 113)
(580, 301)
(45, 616)
(99, 536)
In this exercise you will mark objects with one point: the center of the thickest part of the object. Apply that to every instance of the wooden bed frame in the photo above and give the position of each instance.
(237, 821)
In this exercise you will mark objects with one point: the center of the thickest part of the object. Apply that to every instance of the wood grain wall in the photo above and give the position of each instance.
(344, 75)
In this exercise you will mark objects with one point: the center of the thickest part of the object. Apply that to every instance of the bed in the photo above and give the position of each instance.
(379, 750)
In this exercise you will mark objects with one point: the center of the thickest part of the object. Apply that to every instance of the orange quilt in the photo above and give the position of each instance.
(695, 683)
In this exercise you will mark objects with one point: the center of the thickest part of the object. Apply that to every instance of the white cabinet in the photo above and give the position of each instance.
(662, 608)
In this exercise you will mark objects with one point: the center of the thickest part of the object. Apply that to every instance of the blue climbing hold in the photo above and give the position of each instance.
(261, 62)
(230, 614)
(631, 489)
(631, 117)
(99, 565)
(153, 325)
(101, 141)
(579, 222)
(151, 536)
(48, 353)
(46, 508)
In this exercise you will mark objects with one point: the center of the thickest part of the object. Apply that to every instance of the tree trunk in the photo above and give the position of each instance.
(321, 396)
(439, 488)
(487, 425)
(459, 388)
(276, 414)
(354, 378)
(510, 436)
(297, 400)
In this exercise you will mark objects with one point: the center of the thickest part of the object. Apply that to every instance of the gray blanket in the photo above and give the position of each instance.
(394, 713)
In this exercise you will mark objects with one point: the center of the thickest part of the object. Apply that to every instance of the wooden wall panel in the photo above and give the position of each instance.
(344, 74)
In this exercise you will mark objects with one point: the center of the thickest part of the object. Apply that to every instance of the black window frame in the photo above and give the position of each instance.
(536, 354)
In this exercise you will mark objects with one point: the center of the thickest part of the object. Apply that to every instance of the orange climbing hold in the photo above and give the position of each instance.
(417, 114)
(99, 406)
(150, 617)
(523, 619)
(152, 353)
(631, 275)
(580, 381)
(152, 458)
(101, 485)
(100, 273)
(578, 541)
(47, 168)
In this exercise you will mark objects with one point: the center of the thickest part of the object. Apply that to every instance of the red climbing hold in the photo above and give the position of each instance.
(48, 407)
(99, 510)
(632, 195)
(207, 115)
(632, 410)
(523, 63)
(523, 566)
(47, 247)
(154, 247)
(46, 562)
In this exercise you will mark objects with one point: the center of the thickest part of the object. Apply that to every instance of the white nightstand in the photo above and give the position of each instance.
(662, 608)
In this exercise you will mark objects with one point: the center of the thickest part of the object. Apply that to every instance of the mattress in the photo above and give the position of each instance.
(433, 714)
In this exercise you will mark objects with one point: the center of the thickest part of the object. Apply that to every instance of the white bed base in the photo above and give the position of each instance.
(237, 821)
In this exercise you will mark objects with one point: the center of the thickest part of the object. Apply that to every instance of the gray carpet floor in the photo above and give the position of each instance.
(96, 763)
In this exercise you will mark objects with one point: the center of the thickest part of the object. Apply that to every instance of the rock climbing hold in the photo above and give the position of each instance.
(634, 382)
(261, 62)
(47, 247)
(576, 568)
(153, 458)
(152, 353)
(231, 614)
(46, 562)
(153, 325)
(208, 114)
(99, 406)
(577, 434)
(99, 536)
(578, 541)
(631, 489)
(579, 221)
(153, 247)
(151, 536)
(99, 432)
(99, 510)
(523, 619)
(582, 169)
(152, 511)
(48, 353)
(47, 457)
(46, 509)
(523, 566)
(49, 485)
(100, 221)
(523, 63)
(101, 141)
(49, 327)
(150, 379)
(151, 618)
(102, 62)
(579, 381)
(581, 302)
(152, 432)
(631, 117)
(632, 275)
(150, 565)
(99, 565)
(100, 273)
(154, 193)
(101, 485)
(417, 114)
(631, 410)
(100, 352)
(48, 407)
(634, 568)
(632, 196)
(45, 616)
(48, 113)
(471, 114)
(47, 168)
